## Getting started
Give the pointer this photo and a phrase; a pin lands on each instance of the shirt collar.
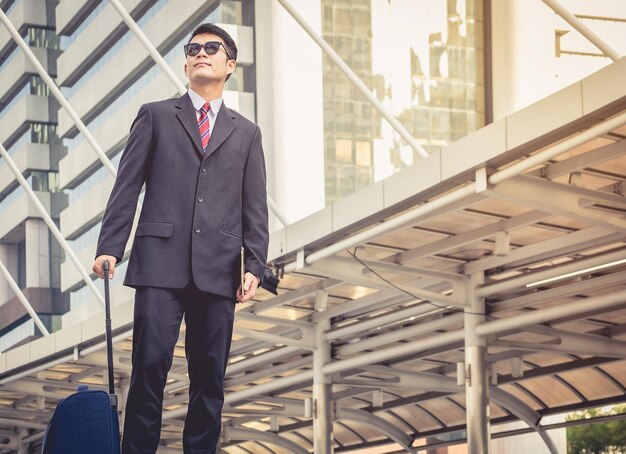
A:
(198, 101)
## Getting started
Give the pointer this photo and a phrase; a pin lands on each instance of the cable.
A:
(440, 306)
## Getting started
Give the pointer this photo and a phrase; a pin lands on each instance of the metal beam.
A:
(458, 280)
(16, 376)
(523, 412)
(257, 307)
(306, 377)
(582, 308)
(581, 161)
(273, 407)
(564, 200)
(583, 29)
(20, 296)
(268, 372)
(437, 382)
(557, 271)
(356, 81)
(252, 317)
(247, 345)
(259, 360)
(322, 385)
(462, 239)
(240, 434)
(365, 304)
(461, 197)
(552, 151)
(305, 341)
(578, 287)
(391, 317)
(352, 271)
(570, 342)
(476, 373)
(395, 351)
(23, 424)
(253, 391)
(548, 249)
(408, 332)
(384, 426)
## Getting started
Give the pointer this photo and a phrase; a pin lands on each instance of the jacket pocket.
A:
(236, 235)
(154, 228)
(230, 152)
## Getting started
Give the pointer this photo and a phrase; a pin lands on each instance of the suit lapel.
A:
(187, 116)
(224, 126)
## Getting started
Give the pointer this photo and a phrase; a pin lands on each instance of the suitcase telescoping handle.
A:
(107, 321)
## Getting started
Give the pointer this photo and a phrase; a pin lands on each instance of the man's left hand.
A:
(250, 284)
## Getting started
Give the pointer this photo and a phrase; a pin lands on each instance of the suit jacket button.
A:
(200, 199)
(203, 170)
(197, 230)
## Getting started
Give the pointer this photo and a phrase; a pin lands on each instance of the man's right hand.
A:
(97, 265)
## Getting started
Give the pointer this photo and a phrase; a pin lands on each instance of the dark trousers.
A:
(209, 322)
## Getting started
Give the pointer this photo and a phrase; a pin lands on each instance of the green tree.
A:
(602, 438)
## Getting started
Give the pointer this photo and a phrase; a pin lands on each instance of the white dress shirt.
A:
(198, 101)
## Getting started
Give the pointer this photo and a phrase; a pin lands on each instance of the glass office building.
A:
(28, 118)
(424, 61)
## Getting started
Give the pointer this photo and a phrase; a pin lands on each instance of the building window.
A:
(43, 133)
(44, 181)
(43, 37)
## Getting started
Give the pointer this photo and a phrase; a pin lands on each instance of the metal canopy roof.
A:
(526, 214)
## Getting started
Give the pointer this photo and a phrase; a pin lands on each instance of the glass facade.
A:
(425, 64)
(349, 123)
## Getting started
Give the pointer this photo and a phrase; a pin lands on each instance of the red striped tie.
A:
(203, 124)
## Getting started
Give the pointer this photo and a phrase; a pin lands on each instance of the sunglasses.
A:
(210, 47)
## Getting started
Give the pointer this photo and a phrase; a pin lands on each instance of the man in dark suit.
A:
(205, 198)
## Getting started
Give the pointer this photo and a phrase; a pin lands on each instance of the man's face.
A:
(204, 68)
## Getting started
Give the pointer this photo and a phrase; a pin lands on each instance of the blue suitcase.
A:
(86, 422)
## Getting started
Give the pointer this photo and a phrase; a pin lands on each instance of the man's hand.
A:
(97, 265)
(250, 284)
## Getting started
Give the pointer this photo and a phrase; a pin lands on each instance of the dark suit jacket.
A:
(199, 208)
